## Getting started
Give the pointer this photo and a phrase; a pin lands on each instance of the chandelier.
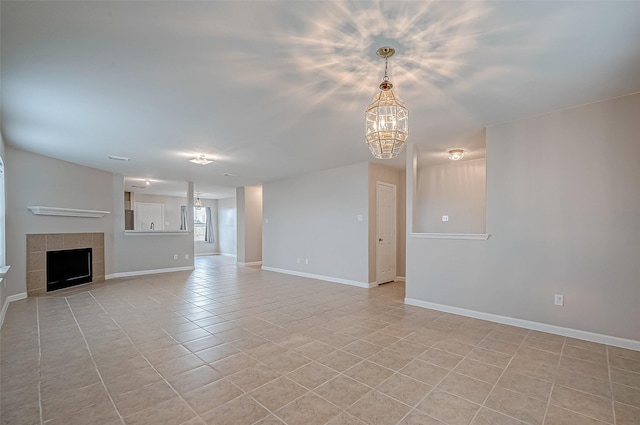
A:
(387, 117)
(198, 202)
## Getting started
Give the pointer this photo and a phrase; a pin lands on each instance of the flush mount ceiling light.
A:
(201, 160)
(387, 117)
(456, 154)
(198, 202)
(147, 182)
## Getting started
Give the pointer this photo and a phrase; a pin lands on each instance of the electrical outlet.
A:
(559, 300)
(306, 261)
(186, 256)
(298, 260)
(445, 218)
(175, 256)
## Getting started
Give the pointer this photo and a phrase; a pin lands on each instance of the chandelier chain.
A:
(386, 64)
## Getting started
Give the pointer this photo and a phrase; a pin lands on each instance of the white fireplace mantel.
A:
(67, 212)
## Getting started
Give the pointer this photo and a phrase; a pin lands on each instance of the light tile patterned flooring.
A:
(237, 345)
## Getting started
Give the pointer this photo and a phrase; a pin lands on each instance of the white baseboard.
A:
(144, 272)
(321, 277)
(226, 254)
(399, 279)
(527, 324)
(9, 299)
(254, 263)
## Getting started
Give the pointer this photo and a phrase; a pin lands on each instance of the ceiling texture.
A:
(273, 89)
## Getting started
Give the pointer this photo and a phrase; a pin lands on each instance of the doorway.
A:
(385, 232)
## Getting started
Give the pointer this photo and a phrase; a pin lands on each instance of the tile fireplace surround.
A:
(39, 244)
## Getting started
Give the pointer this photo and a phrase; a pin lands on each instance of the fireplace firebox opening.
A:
(69, 267)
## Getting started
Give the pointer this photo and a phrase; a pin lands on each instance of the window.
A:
(199, 224)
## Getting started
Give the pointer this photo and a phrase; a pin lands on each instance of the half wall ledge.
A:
(467, 236)
(67, 212)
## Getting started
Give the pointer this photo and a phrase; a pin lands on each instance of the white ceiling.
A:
(271, 89)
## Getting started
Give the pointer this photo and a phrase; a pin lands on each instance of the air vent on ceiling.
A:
(138, 187)
(229, 175)
(118, 158)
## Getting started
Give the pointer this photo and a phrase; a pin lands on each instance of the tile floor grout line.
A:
(290, 316)
(553, 383)
(39, 362)
(613, 400)
(340, 373)
(153, 367)
(93, 360)
(498, 380)
(434, 387)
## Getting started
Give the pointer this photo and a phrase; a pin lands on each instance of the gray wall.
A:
(135, 253)
(249, 203)
(227, 225)
(380, 173)
(315, 216)
(456, 189)
(563, 208)
(38, 180)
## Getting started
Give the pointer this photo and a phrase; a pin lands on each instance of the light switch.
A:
(360, 217)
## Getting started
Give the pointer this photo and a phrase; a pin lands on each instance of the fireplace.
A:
(68, 267)
(38, 245)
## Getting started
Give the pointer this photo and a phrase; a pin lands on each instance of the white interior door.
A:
(149, 216)
(386, 232)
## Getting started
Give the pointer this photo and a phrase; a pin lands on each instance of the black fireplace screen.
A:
(68, 268)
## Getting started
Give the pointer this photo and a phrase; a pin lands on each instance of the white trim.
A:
(253, 263)
(400, 279)
(321, 277)
(395, 226)
(5, 307)
(67, 212)
(226, 254)
(4, 270)
(206, 254)
(468, 236)
(144, 272)
(527, 324)
(156, 232)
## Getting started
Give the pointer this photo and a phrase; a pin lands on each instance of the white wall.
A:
(249, 203)
(38, 180)
(315, 216)
(206, 248)
(563, 208)
(456, 189)
(227, 226)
